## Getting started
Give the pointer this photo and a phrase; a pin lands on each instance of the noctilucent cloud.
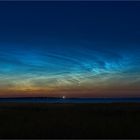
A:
(70, 49)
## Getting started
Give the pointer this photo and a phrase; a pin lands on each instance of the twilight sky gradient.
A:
(72, 49)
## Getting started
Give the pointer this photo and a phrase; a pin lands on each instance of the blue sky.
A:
(84, 49)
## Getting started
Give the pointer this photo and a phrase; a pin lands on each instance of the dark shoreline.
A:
(60, 120)
(72, 106)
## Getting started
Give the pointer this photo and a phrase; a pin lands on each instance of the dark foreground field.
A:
(42, 120)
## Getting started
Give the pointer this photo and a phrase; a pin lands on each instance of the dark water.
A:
(71, 100)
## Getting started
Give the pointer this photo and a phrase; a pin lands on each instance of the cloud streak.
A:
(71, 68)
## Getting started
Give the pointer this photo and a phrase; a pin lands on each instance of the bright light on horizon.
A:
(64, 97)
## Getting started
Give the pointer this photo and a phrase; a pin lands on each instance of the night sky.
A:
(70, 49)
